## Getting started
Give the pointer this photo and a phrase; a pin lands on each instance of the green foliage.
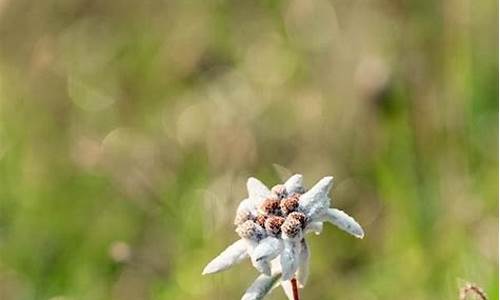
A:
(128, 129)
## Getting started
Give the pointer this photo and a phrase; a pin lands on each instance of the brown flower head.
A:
(261, 220)
(250, 230)
(273, 225)
(289, 204)
(242, 216)
(270, 206)
(294, 224)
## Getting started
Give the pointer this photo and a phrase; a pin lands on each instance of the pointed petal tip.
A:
(328, 179)
(295, 179)
(358, 231)
(257, 190)
(212, 268)
(250, 179)
(316, 200)
(232, 255)
(295, 184)
(206, 271)
(325, 184)
(252, 182)
(345, 222)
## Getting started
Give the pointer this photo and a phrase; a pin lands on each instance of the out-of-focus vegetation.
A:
(128, 129)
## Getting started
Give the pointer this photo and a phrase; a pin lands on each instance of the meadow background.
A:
(128, 129)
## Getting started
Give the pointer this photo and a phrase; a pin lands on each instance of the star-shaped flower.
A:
(272, 225)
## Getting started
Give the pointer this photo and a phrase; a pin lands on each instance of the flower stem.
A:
(472, 289)
(295, 289)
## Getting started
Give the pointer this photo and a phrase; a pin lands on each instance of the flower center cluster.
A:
(277, 214)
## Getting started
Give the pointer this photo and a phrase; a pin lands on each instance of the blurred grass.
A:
(128, 129)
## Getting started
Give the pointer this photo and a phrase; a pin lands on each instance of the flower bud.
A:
(270, 206)
(294, 224)
(289, 204)
(261, 220)
(242, 216)
(250, 230)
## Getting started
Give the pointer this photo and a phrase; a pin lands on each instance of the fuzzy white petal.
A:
(257, 191)
(295, 184)
(248, 206)
(263, 266)
(267, 249)
(261, 287)
(316, 200)
(303, 270)
(344, 222)
(289, 259)
(232, 255)
(276, 265)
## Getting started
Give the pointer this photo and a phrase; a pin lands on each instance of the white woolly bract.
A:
(289, 259)
(247, 206)
(263, 266)
(257, 191)
(316, 200)
(344, 222)
(268, 249)
(261, 287)
(232, 255)
(303, 269)
(294, 184)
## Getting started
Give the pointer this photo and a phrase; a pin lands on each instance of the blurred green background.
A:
(128, 129)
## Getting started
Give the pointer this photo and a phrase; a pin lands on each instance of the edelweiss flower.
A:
(272, 225)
